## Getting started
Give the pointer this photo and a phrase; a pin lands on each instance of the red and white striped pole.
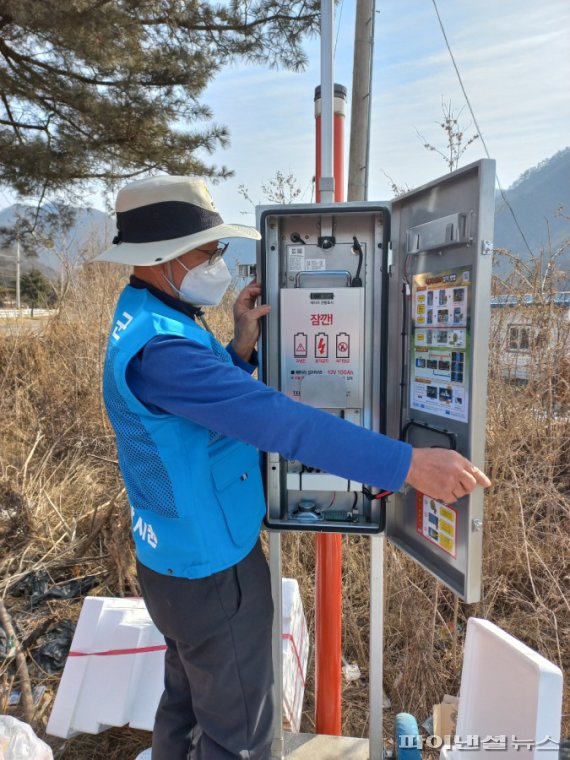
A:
(339, 113)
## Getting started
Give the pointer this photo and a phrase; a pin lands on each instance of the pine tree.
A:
(110, 89)
(35, 288)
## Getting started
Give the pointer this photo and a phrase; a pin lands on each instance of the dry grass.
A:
(63, 509)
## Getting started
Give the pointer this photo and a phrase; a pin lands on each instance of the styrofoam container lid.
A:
(508, 689)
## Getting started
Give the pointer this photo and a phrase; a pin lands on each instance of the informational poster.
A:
(437, 522)
(440, 343)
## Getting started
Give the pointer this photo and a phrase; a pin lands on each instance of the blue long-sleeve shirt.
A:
(181, 377)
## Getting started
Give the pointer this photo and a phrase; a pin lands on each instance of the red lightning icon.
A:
(321, 346)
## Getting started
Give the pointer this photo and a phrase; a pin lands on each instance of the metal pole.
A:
(358, 173)
(371, 79)
(359, 154)
(326, 182)
(277, 746)
(18, 269)
(376, 676)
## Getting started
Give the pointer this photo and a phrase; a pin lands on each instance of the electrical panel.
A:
(321, 269)
(380, 314)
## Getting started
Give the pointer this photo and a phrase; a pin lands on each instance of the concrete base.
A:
(313, 747)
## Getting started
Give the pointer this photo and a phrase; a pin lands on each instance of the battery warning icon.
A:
(321, 346)
(342, 345)
(300, 345)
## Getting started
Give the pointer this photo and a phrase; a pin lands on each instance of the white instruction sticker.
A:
(315, 265)
(296, 258)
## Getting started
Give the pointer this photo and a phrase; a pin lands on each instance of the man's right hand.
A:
(444, 474)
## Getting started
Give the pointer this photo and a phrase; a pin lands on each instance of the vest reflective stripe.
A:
(196, 505)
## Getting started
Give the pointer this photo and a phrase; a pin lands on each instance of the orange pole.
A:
(338, 142)
(338, 156)
(328, 633)
(328, 562)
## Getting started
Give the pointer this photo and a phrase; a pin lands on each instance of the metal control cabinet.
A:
(404, 352)
(324, 272)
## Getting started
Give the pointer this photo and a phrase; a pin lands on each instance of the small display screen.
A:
(322, 296)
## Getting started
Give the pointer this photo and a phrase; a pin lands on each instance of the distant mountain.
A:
(535, 198)
(90, 232)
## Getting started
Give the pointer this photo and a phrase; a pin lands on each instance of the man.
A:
(189, 421)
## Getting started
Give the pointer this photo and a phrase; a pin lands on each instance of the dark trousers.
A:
(218, 681)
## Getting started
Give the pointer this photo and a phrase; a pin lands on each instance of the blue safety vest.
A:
(196, 497)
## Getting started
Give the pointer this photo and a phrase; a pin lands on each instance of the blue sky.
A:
(513, 56)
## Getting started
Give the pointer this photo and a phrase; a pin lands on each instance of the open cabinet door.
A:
(437, 360)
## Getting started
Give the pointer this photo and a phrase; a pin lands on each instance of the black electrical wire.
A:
(338, 25)
(404, 336)
(357, 248)
(406, 265)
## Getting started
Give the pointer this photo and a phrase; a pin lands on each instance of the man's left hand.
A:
(246, 320)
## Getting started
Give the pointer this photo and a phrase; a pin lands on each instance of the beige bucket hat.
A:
(160, 218)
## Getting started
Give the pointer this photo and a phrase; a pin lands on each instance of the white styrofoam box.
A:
(114, 673)
(114, 641)
(295, 647)
(507, 689)
(149, 672)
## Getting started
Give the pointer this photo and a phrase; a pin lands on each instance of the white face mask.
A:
(205, 284)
